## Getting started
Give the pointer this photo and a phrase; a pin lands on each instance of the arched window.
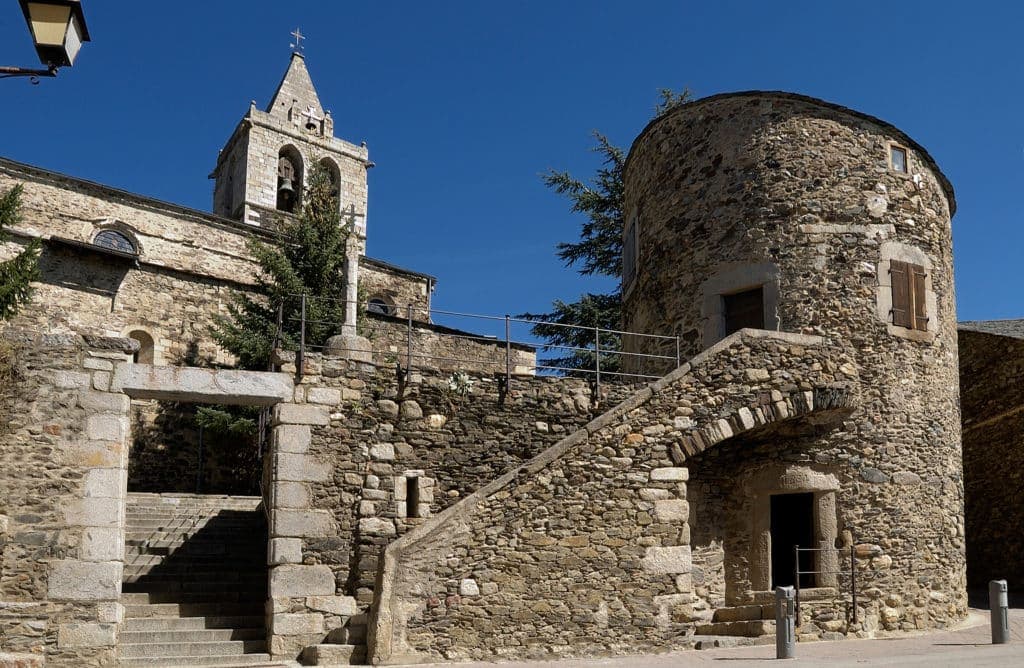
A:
(289, 179)
(144, 355)
(115, 240)
(333, 174)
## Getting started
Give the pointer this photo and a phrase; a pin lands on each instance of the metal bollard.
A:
(999, 603)
(785, 622)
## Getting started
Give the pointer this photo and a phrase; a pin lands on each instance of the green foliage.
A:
(16, 274)
(310, 260)
(221, 421)
(598, 252)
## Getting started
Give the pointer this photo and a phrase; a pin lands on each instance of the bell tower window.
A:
(289, 179)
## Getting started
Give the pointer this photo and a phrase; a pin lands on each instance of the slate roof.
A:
(1013, 328)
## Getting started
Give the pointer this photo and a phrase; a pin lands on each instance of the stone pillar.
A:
(300, 595)
(89, 579)
(351, 285)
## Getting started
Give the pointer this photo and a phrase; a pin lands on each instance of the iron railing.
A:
(508, 333)
(839, 573)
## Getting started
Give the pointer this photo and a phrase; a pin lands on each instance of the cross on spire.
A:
(297, 34)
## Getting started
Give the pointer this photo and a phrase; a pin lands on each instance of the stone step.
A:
(192, 573)
(743, 613)
(192, 610)
(183, 593)
(200, 662)
(160, 581)
(190, 635)
(214, 595)
(808, 594)
(746, 629)
(197, 557)
(712, 642)
(350, 634)
(171, 497)
(172, 539)
(148, 624)
(333, 655)
(207, 522)
(172, 567)
(213, 648)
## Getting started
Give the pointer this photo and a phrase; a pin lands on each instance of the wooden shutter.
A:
(920, 303)
(902, 304)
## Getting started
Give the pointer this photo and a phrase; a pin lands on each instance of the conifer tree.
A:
(308, 259)
(598, 252)
(16, 274)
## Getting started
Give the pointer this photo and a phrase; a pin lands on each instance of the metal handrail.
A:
(597, 350)
(852, 573)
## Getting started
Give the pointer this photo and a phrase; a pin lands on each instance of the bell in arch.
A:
(285, 185)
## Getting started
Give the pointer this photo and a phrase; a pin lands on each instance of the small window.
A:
(144, 355)
(744, 310)
(412, 497)
(114, 241)
(909, 293)
(898, 158)
(630, 248)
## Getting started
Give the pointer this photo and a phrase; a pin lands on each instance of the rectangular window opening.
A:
(898, 157)
(630, 249)
(412, 497)
(744, 310)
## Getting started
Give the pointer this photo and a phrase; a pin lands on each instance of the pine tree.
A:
(598, 252)
(16, 274)
(310, 260)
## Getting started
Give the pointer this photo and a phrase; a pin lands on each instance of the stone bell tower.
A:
(263, 168)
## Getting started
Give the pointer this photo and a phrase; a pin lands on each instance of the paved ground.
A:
(968, 646)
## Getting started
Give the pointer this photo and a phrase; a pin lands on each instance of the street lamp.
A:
(58, 30)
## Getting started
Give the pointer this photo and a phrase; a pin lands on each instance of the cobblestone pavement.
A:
(967, 646)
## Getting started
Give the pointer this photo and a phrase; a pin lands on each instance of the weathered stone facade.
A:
(586, 548)
(456, 512)
(64, 450)
(992, 398)
(796, 199)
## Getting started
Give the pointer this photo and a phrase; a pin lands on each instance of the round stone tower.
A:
(777, 211)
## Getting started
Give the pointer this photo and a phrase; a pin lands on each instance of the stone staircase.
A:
(757, 620)
(195, 581)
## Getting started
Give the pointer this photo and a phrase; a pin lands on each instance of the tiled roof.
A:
(1014, 328)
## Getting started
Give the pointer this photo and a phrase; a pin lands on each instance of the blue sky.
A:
(464, 104)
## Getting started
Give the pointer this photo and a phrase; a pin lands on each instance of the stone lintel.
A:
(221, 386)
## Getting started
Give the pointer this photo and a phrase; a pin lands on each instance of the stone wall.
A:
(452, 437)
(585, 549)
(992, 398)
(396, 287)
(61, 499)
(443, 348)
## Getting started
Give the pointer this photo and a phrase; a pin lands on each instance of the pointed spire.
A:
(296, 90)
